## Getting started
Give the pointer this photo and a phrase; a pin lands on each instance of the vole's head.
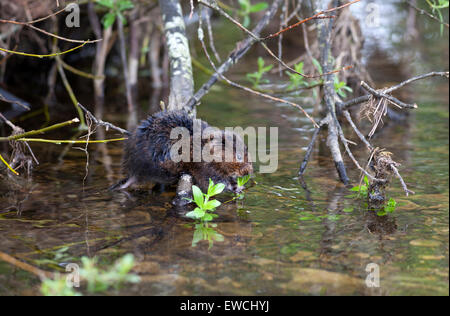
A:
(234, 161)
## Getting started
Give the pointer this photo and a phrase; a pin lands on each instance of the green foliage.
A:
(116, 9)
(436, 6)
(318, 66)
(98, 280)
(340, 87)
(206, 231)
(296, 80)
(58, 256)
(304, 216)
(363, 189)
(363, 193)
(243, 180)
(204, 205)
(348, 210)
(389, 208)
(247, 8)
(57, 287)
(256, 77)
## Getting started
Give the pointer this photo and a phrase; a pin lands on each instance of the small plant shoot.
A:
(256, 77)
(97, 280)
(205, 206)
(247, 8)
(296, 81)
(116, 9)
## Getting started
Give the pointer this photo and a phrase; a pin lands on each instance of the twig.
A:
(2, 98)
(40, 131)
(357, 131)
(315, 16)
(365, 98)
(382, 94)
(201, 38)
(80, 72)
(59, 142)
(18, 130)
(103, 123)
(45, 55)
(192, 10)
(350, 154)
(271, 53)
(70, 92)
(428, 75)
(211, 35)
(405, 188)
(25, 266)
(8, 166)
(48, 33)
(309, 151)
(239, 51)
(421, 11)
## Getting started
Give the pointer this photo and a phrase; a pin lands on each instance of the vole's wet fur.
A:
(147, 154)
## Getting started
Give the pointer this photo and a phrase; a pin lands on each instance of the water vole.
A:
(147, 155)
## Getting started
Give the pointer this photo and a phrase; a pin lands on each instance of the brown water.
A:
(279, 240)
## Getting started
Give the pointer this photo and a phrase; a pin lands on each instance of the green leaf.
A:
(196, 214)
(243, 180)
(125, 5)
(106, 3)
(217, 189)
(245, 5)
(348, 210)
(317, 65)
(267, 68)
(366, 181)
(261, 6)
(210, 187)
(299, 67)
(260, 63)
(391, 206)
(108, 19)
(211, 205)
(207, 217)
(246, 22)
(198, 195)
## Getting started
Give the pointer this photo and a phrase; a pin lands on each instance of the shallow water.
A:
(281, 239)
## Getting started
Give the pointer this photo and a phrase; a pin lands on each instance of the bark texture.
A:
(181, 78)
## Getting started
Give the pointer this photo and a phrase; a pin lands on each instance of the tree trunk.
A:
(181, 78)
